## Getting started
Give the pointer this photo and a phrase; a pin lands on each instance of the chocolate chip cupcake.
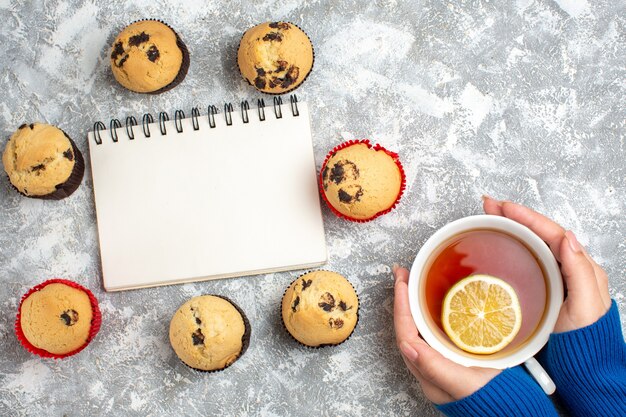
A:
(209, 333)
(57, 318)
(43, 162)
(320, 309)
(275, 57)
(361, 182)
(149, 57)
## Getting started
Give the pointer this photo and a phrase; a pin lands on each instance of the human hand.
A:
(586, 282)
(442, 380)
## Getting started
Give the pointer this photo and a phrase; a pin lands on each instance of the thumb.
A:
(585, 304)
(578, 272)
(457, 380)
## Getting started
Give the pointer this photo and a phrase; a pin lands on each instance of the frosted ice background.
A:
(521, 100)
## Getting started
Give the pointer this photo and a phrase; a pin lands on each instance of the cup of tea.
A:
(498, 247)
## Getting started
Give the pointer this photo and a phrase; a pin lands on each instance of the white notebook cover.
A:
(209, 203)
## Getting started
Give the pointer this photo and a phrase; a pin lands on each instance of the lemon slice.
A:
(481, 314)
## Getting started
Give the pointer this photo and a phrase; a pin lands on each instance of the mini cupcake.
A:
(43, 162)
(209, 333)
(149, 57)
(57, 318)
(320, 308)
(360, 182)
(275, 57)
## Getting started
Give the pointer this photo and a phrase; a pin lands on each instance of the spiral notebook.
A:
(225, 194)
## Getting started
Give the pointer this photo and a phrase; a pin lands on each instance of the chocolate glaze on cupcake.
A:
(320, 308)
(149, 57)
(360, 182)
(209, 333)
(275, 57)
(43, 162)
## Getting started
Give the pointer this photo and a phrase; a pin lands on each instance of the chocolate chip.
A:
(346, 197)
(290, 77)
(38, 167)
(194, 312)
(325, 173)
(259, 82)
(69, 155)
(153, 53)
(279, 25)
(32, 126)
(306, 283)
(343, 170)
(327, 302)
(124, 58)
(197, 337)
(336, 173)
(22, 126)
(294, 306)
(282, 65)
(272, 83)
(118, 50)
(260, 72)
(138, 39)
(70, 317)
(273, 36)
(335, 323)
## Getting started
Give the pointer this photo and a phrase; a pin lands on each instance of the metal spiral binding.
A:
(278, 111)
(163, 117)
(244, 111)
(114, 125)
(294, 105)
(97, 128)
(130, 122)
(179, 116)
(147, 119)
(228, 113)
(261, 109)
(195, 114)
(212, 111)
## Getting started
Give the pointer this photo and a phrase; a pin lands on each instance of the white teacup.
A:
(527, 349)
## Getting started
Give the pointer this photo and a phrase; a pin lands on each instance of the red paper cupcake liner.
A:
(376, 147)
(96, 320)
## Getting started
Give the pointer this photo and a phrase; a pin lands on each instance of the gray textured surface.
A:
(521, 100)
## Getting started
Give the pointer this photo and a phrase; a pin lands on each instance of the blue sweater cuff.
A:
(511, 393)
(588, 366)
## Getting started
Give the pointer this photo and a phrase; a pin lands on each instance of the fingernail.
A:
(573, 242)
(486, 197)
(408, 351)
(394, 269)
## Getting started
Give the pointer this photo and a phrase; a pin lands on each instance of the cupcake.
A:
(43, 162)
(360, 182)
(209, 333)
(149, 57)
(57, 318)
(275, 57)
(320, 309)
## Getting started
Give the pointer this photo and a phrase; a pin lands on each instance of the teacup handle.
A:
(540, 375)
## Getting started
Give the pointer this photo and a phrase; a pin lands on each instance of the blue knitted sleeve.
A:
(588, 366)
(512, 393)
